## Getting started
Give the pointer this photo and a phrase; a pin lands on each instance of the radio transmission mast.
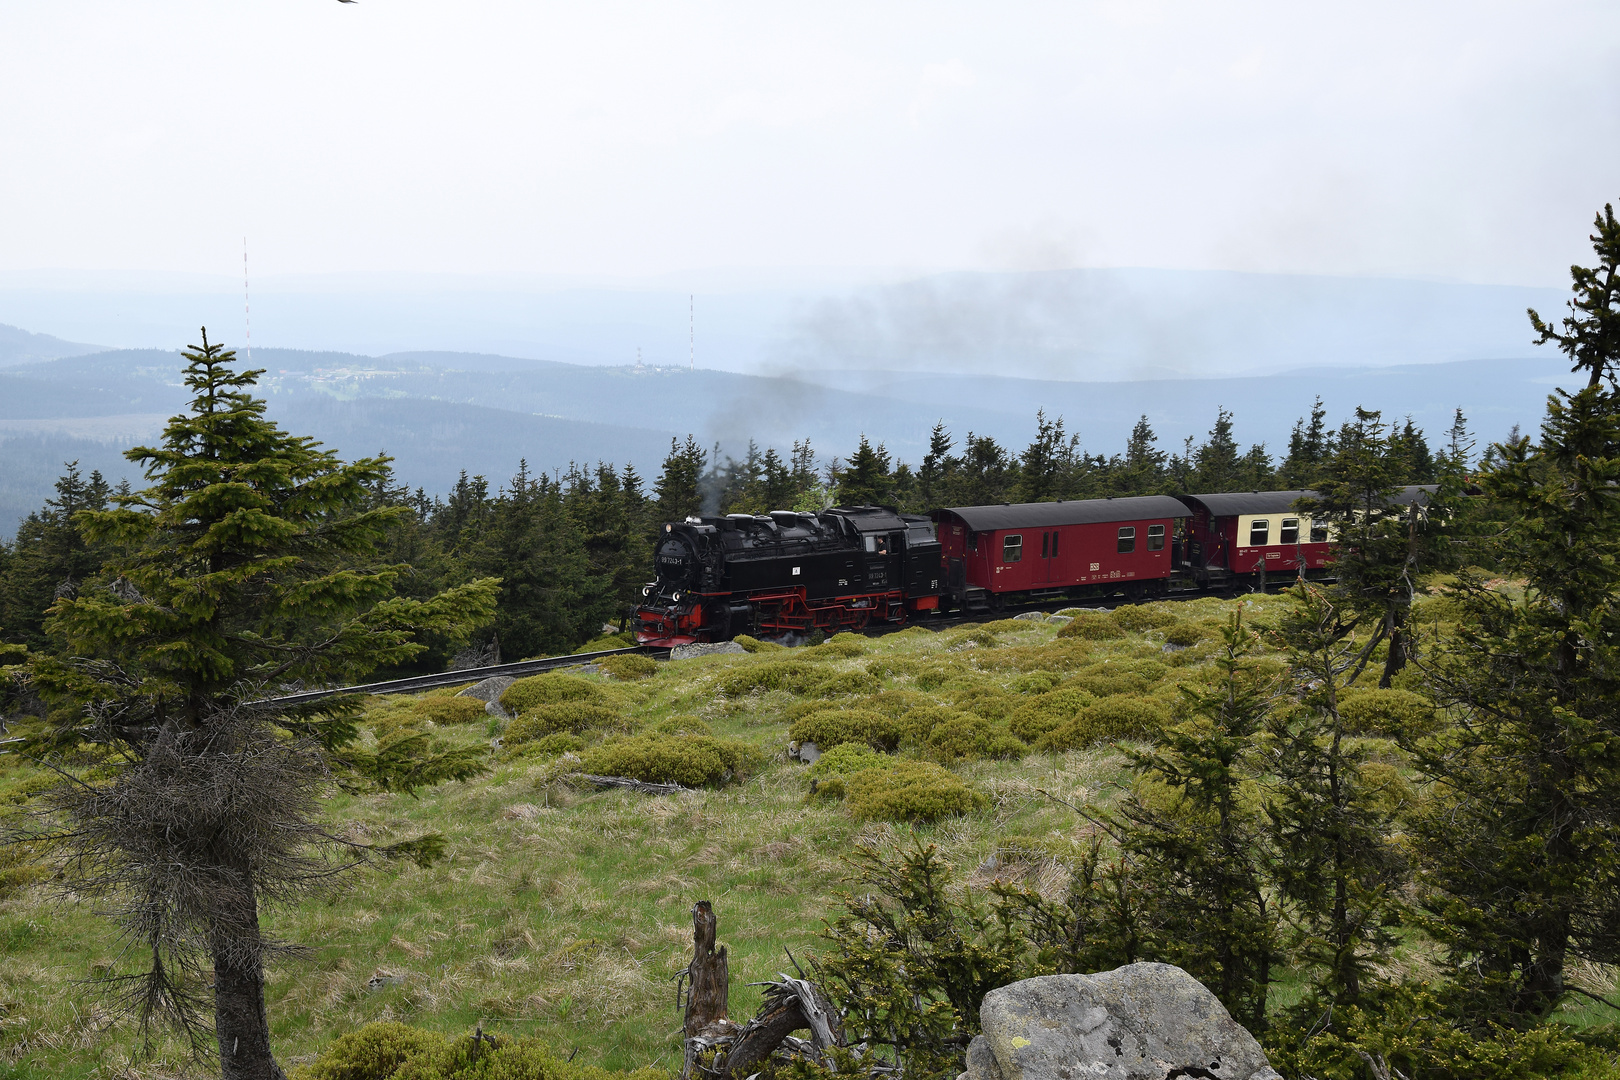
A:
(247, 321)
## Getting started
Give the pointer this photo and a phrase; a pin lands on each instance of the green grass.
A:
(562, 911)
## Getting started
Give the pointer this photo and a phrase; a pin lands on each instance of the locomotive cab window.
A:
(1259, 532)
(1155, 537)
(1127, 539)
(877, 545)
(1012, 548)
(1290, 531)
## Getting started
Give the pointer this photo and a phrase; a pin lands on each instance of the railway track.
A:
(418, 683)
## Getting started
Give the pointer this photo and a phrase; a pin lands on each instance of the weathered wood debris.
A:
(717, 1047)
(629, 783)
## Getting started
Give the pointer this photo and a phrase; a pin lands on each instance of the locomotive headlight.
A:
(646, 590)
(676, 595)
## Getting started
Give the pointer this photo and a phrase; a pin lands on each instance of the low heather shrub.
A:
(1109, 718)
(832, 727)
(1090, 626)
(629, 666)
(575, 716)
(681, 725)
(450, 710)
(689, 760)
(1044, 712)
(844, 759)
(551, 689)
(1138, 617)
(909, 791)
(966, 736)
(1387, 712)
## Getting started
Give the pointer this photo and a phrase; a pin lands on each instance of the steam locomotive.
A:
(857, 566)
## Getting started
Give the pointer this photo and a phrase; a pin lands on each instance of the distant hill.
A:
(1090, 324)
(440, 413)
(18, 346)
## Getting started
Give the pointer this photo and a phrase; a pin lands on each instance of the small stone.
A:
(687, 652)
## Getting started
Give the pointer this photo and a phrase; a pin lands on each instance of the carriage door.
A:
(1047, 571)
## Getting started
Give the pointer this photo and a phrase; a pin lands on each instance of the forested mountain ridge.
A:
(439, 414)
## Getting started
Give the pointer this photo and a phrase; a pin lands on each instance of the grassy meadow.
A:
(563, 911)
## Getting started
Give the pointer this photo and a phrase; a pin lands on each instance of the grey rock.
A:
(489, 692)
(1031, 616)
(806, 752)
(490, 689)
(1139, 1022)
(1059, 620)
(687, 652)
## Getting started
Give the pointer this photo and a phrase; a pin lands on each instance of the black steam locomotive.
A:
(786, 572)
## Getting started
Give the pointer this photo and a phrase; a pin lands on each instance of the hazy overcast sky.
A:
(1466, 140)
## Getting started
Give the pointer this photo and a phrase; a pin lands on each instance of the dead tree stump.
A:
(708, 980)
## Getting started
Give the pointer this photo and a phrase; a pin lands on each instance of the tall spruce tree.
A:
(1386, 540)
(1520, 841)
(866, 480)
(245, 565)
(678, 488)
(1591, 334)
(1195, 841)
(1329, 816)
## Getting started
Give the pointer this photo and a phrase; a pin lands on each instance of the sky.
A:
(660, 142)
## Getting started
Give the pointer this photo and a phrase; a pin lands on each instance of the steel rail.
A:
(418, 683)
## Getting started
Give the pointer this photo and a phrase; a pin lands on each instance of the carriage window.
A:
(1012, 548)
(1127, 539)
(1259, 531)
(973, 541)
(1318, 533)
(1055, 536)
(1155, 537)
(1290, 531)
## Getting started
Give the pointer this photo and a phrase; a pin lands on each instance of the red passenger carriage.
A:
(1021, 552)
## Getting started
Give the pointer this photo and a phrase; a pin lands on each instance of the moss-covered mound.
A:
(909, 791)
(1109, 718)
(629, 666)
(688, 760)
(551, 689)
(574, 716)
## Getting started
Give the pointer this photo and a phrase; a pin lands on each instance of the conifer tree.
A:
(245, 565)
(1045, 460)
(866, 480)
(1591, 334)
(1196, 843)
(1329, 817)
(49, 556)
(678, 486)
(1386, 541)
(935, 475)
(1308, 447)
(1521, 838)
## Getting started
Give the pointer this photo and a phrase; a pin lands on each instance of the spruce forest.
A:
(1379, 817)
